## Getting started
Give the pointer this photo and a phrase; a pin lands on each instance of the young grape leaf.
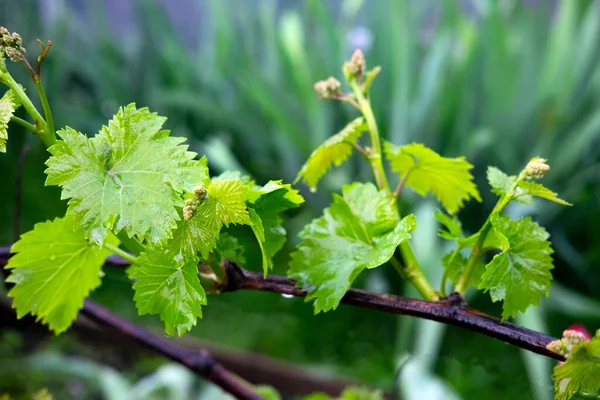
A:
(348, 238)
(520, 274)
(268, 202)
(229, 248)
(426, 171)
(334, 150)
(499, 181)
(350, 393)
(455, 267)
(537, 190)
(54, 269)
(225, 204)
(129, 176)
(452, 224)
(581, 372)
(259, 232)
(493, 240)
(169, 288)
(8, 105)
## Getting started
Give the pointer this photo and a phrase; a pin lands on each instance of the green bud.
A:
(536, 168)
(564, 346)
(11, 44)
(355, 68)
(328, 89)
(200, 193)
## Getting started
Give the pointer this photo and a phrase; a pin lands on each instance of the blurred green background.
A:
(496, 81)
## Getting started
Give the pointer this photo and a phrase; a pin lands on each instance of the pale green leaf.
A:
(350, 393)
(8, 105)
(226, 204)
(268, 202)
(229, 248)
(168, 288)
(334, 150)
(493, 240)
(358, 393)
(129, 176)
(259, 231)
(520, 274)
(499, 181)
(455, 267)
(452, 224)
(581, 372)
(268, 392)
(537, 190)
(347, 239)
(449, 179)
(54, 270)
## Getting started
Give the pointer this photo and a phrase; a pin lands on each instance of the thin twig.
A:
(25, 124)
(452, 310)
(200, 362)
(400, 185)
(288, 378)
(361, 150)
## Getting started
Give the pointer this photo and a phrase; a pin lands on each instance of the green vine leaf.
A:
(581, 372)
(334, 150)
(8, 105)
(129, 176)
(54, 270)
(225, 205)
(537, 190)
(520, 274)
(452, 225)
(426, 171)
(350, 237)
(229, 248)
(266, 204)
(350, 393)
(499, 181)
(168, 288)
(457, 264)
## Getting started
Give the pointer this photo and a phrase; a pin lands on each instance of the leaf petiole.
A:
(25, 124)
(477, 250)
(121, 253)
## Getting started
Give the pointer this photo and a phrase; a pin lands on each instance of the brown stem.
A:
(452, 310)
(200, 362)
(400, 185)
(42, 56)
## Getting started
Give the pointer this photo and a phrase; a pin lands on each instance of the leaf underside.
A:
(334, 151)
(352, 235)
(449, 179)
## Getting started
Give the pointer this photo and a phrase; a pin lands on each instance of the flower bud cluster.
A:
(191, 205)
(328, 89)
(564, 346)
(11, 44)
(536, 168)
(355, 68)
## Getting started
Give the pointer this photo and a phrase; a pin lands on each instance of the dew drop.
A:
(52, 257)
(287, 296)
